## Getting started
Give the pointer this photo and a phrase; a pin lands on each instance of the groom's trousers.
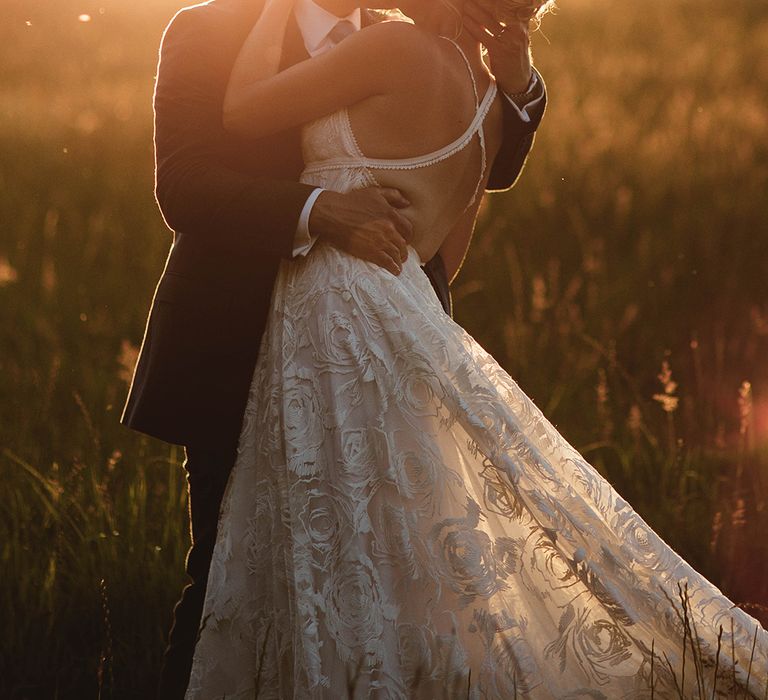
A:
(208, 466)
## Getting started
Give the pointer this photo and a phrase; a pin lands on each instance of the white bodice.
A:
(332, 156)
(448, 180)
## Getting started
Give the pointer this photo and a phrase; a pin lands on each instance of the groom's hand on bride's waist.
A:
(366, 223)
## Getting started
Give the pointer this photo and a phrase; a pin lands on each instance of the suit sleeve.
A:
(196, 192)
(517, 142)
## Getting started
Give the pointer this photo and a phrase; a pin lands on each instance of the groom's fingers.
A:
(403, 225)
(366, 223)
(385, 260)
(402, 248)
(393, 241)
(392, 256)
(394, 197)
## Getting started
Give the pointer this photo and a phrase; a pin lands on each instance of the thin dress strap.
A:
(476, 127)
(417, 161)
(469, 69)
(480, 129)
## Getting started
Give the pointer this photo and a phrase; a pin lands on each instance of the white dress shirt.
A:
(315, 25)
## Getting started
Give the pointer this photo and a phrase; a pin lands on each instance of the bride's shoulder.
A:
(398, 40)
(399, 29)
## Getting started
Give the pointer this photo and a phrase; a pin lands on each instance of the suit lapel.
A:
(294, 50)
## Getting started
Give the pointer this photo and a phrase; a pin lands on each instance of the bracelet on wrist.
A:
(523, 93)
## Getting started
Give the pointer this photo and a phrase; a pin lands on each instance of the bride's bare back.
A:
(433, 139)
(403, 108)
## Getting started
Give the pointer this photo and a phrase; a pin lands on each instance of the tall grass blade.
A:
(717, 662)
(262, 657)
(685, 633)
(674, 676)
(751, 658)
(733, 659)
(105, 658)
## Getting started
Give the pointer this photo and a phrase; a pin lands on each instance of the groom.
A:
(237, 209)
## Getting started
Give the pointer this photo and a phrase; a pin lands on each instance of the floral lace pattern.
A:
(402, 514)
(403, 522)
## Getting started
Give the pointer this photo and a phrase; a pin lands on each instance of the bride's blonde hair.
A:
(520, 10)
(505, 11)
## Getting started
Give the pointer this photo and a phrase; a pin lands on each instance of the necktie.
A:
(341, 31)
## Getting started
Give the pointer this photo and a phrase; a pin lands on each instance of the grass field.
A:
(624, 283)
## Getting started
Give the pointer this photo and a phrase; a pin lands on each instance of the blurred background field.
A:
(624, 283)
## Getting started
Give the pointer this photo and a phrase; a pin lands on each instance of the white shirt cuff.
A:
(303, 240)
(529, 99)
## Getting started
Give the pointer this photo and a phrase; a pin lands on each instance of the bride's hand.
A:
(508, 47)
(365, 223)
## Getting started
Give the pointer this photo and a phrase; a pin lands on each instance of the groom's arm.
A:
(200, 196)
(197, 193)
(522, 115)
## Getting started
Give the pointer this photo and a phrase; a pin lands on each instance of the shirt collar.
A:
(316, 22)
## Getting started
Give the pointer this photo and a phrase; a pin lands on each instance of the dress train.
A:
(403, 522)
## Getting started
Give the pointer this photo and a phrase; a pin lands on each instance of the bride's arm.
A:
(376, 60)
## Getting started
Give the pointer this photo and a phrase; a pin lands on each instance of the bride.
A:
(402, 521)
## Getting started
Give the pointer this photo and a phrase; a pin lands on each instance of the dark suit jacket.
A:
(234, 206)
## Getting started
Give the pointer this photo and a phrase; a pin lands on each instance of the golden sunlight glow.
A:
(622, 281)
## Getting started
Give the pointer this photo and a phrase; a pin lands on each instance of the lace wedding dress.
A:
(403, 522)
